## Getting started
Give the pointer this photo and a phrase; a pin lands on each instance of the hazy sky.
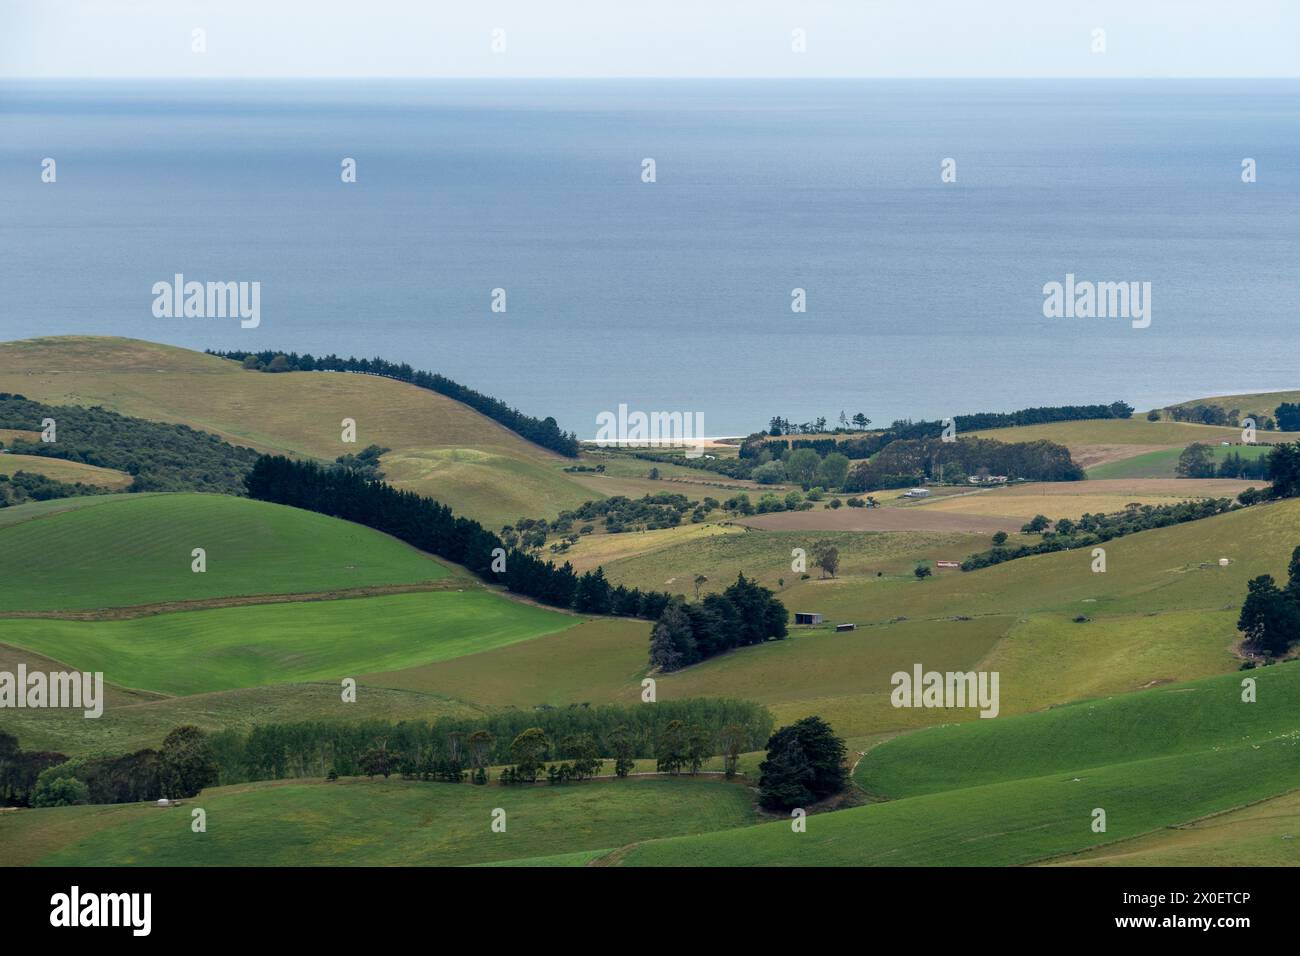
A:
(604, 38)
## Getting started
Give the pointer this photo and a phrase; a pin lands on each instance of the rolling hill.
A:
(136, 549)
(439, 447)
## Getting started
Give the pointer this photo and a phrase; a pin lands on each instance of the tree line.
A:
(452, 748)
(540, 431)
(1091, 529)
(432, 527)
(159, 457)
(906, 428)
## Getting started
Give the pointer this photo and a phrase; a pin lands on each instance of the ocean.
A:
(924, 298)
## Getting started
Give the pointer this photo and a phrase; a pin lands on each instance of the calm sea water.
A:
(924, 298)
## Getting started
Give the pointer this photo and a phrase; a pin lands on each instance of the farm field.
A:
(69, 472)
(439, 447)
(137, 550)
(195, 652)
(357, 822)
(1151, 760)
(1164, 463)
(1263, 834)
(1073, 499)
(133, 720)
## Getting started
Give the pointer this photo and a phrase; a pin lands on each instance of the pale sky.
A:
(636, 38)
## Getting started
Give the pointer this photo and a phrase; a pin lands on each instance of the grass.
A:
(357, 822)
(1123, 431)
(133, 720)
(1203, 717)
(1164, 463)
(199, 651)
(136, 550)
(1263, 834)
(842, 677)
(1020, 789)
(1077, 498)
(440, 447)
(69, 472)
(999, 824)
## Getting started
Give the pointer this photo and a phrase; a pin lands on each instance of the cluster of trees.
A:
(801, 466)
(159, 457)
(1203, 414)
(430, 526)
(857, 447)
(804, 764)
(620, 513)
(1288, 416)
(1270, 616)
(1092, 529)
(364, 463)
(24, 486)
(453, 748)
(745, 613)
(181, 768)
(911, 461)
(540, 431)
(1197, 461)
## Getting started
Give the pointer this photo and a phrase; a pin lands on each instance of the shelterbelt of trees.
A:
(545, 432)
(279, 751)
(432, 527)
(161, 457)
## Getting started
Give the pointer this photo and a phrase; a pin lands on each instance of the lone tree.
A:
(999, 539)
(186, 762)
(827, 557)
(700, 581)
(672, 643)
(805, 763)
(621, 746)
(922, 572)
(528, 751)
(671, 748)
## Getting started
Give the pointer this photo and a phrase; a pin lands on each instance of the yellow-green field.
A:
(440, 447)
(69, 472)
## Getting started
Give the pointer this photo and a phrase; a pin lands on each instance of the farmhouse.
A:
(916, 493)
(807, 617)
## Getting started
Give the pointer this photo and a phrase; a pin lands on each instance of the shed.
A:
(845, 627)
(807, 617)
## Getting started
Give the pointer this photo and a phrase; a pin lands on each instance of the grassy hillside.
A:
(1164, 463)
(439, 447)
(1201, 716)
(136, 719)
(373, 823)
(1263, 834)
(1011, 791)
(137, 550)
(198, 651)
(69, 472)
